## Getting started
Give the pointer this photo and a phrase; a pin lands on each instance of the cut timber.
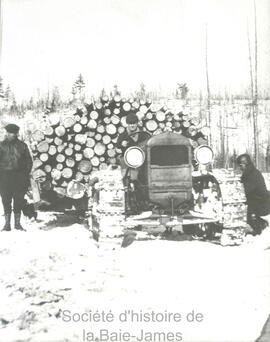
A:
(92, 124)
(60, 131)
(77, 147)
(100, 129)
(68, 121)
(143, 109)
(80, 138)
(59, 166)
(58, 141)
(56, 174)
(107, 112)
(37, 135)
(49, 139)
(99, 149)
(117, 98)
(85, 166)
(161, 125)
(52, 150)
(160, 116)
(54, 119)
(116, 111)
(47, 168)
(67, 173)
(135, 105)
(120, 129)
(106, 139)
(37, 163)
(94, 115)
(111, 153)
(78, 157)
(176, 117)
(43, 146)
(98, 105)
(98, 137)
(107, 120)
(151, 125)
(44, 157)
(111, 129)
(60, 158)
(70, 162)
(90, 142)
(79, 176)
(95, 161)
(77, 118)
(68, 151)
(103, 166)
(77, 128)
(105, 99)
(149, 116)
(115, 120)
(61, 148)
(49, 131)
(112, 161)
(88, 153)
(126, 106)
(84, 120)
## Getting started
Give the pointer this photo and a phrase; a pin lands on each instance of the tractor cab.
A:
(169, 171)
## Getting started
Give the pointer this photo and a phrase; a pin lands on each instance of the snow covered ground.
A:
(49, 279)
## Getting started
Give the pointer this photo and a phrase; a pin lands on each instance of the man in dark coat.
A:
(258, 198)
(132, 136)
(15, 167)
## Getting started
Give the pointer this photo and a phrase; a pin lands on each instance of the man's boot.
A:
(7, 223)
(17, 217)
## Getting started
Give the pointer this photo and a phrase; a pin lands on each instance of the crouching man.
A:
(15, 167)
(258, 198)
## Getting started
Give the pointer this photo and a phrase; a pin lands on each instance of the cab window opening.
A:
(169, 155)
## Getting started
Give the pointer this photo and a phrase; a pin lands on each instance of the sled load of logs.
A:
(71, 146)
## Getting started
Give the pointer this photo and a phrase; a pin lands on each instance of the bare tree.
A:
(256, 143)
(182, 91)
(250, 66)
(207, 84)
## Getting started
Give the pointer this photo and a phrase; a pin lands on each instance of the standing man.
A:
(15, 167)
(258, 198)
(133, 136)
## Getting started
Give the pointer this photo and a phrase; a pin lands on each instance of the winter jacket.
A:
(128, 139)
(15, 156)
(15, 166)
(258, 198)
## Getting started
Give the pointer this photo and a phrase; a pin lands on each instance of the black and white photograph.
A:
(134, 170)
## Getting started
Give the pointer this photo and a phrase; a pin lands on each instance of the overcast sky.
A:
(159, 42)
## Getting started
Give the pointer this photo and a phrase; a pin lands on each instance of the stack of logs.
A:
(70, 147)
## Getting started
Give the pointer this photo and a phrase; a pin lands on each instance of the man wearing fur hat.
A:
(15, 167)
